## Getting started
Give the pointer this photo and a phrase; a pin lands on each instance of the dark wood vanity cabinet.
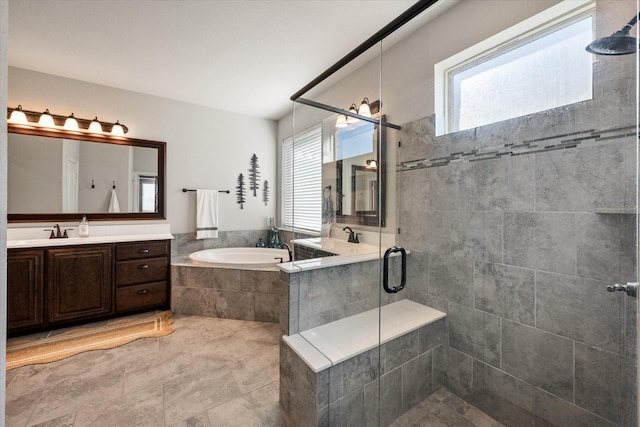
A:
(25, 294)
(79, 283)
(55, 287)
(142, 275)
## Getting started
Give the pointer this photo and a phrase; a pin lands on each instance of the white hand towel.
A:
(207, 214)
(114, 206)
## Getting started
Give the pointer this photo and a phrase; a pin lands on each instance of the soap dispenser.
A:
(83, 228)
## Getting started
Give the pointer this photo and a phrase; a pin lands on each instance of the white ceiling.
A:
(247, 57)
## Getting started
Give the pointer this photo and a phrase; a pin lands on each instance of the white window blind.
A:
(302, 180)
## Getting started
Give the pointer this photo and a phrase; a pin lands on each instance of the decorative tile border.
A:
(539, 145)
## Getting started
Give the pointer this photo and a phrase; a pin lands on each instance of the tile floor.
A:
(208, 373)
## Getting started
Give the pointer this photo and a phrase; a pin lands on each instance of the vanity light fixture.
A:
(46, 120)
(366, 109)
(18, 116)
(71, 123)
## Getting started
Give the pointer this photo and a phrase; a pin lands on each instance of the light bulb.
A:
(46, 120)
(364, 108)
(71, 123)
(353, 109)
(341, 122)
(95, 126)
(117, 129)
(18, 116)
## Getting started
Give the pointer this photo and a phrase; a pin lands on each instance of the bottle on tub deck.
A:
(274, 236)
(261, 243)
(83, 228)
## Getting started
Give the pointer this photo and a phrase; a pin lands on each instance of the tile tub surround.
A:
(519, 255)
(186, 243)
(323, 385)
(226, 293)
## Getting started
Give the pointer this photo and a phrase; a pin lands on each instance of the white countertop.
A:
(34, 237)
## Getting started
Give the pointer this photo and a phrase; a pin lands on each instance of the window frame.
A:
(558, 16)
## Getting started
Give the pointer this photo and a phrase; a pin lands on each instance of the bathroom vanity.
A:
(59, 282)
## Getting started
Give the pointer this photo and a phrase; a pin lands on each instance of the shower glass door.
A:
(340, 180)
(502, 158)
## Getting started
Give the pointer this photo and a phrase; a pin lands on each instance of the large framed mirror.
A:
(55, 175)
(360, 174)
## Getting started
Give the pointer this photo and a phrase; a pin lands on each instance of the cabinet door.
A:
(25, 290)
(79, 282)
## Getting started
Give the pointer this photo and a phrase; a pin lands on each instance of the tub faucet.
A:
(288, 248)
(353, 237)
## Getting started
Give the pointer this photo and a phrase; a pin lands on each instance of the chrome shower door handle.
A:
(385, 273)
(630, 288)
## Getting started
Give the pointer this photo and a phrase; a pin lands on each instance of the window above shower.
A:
(536, 65)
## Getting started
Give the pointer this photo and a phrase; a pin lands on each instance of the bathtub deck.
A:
(345, 338)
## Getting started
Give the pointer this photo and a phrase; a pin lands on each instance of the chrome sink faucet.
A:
(353, 237)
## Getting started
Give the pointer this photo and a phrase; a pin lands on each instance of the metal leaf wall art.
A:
(254, 176)
(240, 191)
(265, 192)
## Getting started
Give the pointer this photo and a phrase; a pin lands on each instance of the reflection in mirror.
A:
(360, 182)
(58, 176)
(364, 190)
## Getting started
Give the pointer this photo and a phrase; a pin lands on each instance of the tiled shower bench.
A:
(332, 374)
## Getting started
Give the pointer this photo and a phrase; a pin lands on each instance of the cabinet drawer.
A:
(141, 296)
(141, 271)
(137, 250)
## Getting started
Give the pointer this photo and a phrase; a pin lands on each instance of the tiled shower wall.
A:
(505, 236)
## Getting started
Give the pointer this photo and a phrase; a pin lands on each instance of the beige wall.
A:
(206, 148)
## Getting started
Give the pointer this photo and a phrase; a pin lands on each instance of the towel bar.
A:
(184, 190)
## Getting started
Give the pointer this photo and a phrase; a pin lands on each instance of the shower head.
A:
(618, 43)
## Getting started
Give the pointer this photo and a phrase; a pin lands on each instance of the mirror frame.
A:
(366, 218)
(96, 216)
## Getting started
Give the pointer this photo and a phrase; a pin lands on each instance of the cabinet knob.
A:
(143, 251)
(143, 266)
(143, 291)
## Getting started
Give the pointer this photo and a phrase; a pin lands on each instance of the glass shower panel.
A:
(337, 258)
